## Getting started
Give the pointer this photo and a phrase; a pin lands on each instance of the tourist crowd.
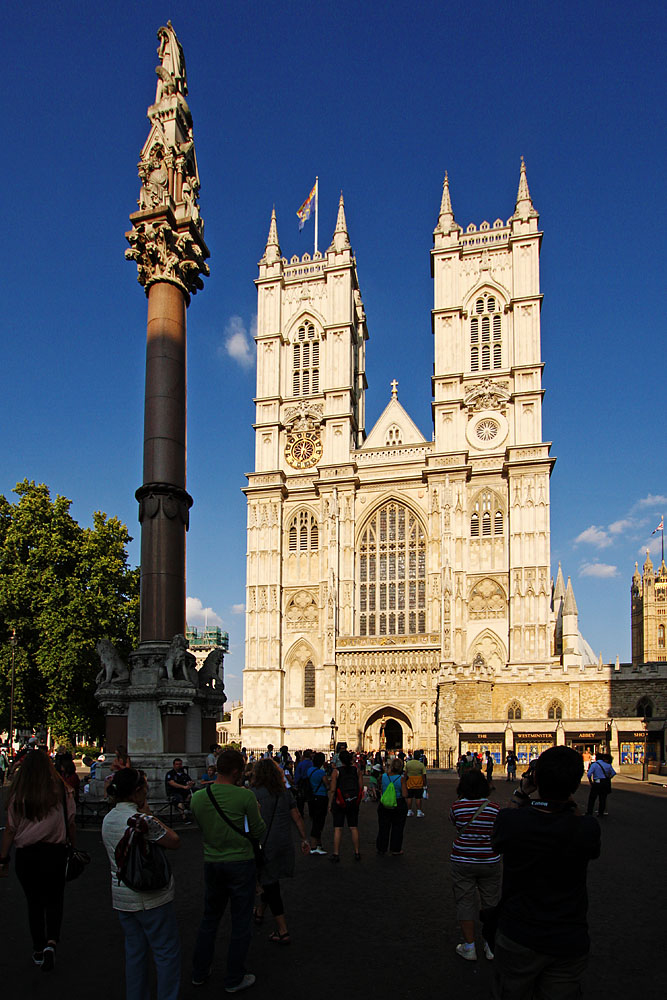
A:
(521, 871)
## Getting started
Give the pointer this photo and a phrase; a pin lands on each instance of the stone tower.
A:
(648, 598)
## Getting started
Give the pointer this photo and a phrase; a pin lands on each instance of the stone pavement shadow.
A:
(385, 926)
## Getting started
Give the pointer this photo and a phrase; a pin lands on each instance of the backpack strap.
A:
(235, 828)
(474, 816)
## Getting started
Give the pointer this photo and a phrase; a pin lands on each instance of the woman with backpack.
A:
(40, 819)
(278, 810)
(148, 918)
(345, 793)
(392, 810)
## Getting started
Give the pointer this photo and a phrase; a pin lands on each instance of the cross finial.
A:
(394, 388)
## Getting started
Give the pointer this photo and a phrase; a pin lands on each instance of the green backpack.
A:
(389, 800)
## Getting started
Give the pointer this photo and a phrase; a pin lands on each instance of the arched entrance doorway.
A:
(388, 728)
(393, 734)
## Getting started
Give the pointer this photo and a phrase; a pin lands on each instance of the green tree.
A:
(62, 587)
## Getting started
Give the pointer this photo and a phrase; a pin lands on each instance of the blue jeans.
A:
(153, 930)
(223, 881)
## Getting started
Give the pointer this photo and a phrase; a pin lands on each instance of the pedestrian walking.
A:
(488, 766)
(600, 774)
(222, 811)
(415, 778)
(318, 802)
(278, 810)
(40, 820)
(148, 918)
(393, 811)
(475, 864)
(510, 764)
(345, 793)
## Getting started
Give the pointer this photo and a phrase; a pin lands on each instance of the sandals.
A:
(279, 938)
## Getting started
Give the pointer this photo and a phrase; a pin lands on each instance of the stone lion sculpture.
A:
(114, 670)
(179, 663)
(211, 674)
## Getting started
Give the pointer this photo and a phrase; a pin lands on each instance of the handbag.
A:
(75, 859)
(141, 864)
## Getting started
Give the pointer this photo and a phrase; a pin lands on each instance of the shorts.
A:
(349, 813)
(475, 886)
(416, 793)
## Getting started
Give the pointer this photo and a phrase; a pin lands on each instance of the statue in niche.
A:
(342, 715)
(179, 663)
(423, 714)
(171, 73)
(353, 713)
(154, 179)
(114, 670)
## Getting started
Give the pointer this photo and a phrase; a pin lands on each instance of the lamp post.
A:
(12, 643)
(332, 742)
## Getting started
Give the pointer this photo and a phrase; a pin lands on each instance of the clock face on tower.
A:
(303, 449)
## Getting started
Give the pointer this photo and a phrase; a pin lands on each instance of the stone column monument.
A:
(160, 704)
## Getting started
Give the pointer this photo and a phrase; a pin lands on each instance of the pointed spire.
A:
(570, 605)
(648, 565)
(559, 589)
(272, 251)
(341, 240)
(446, 217)
(524, 208)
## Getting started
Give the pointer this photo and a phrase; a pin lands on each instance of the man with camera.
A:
(541, 938)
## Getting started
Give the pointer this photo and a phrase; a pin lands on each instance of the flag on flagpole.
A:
(660, 526)
(303, 213)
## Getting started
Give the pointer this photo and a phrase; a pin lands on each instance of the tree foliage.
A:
(62, 587)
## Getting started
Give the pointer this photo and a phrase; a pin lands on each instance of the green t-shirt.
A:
(415, 767)
(221, 843)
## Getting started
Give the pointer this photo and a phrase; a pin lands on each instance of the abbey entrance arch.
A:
(388, 728)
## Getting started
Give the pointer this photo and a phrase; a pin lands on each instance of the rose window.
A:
(487, 430)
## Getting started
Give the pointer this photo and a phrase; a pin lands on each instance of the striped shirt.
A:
(474, 846)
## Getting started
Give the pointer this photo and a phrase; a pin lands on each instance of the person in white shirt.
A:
(148, 919)
(599, 775)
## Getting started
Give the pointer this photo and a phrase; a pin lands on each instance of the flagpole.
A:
(317, 193)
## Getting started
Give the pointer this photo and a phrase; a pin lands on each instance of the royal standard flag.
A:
(303, 214)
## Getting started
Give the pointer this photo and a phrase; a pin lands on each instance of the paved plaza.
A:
(385, 927)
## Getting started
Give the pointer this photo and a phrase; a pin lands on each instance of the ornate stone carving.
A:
(179, 663)
(114, 669)
(168, 707)
(163, 498)
(162, 254)
(211, 673)
(118, 708)
(166, 241)
(487, 600)
(301, 613)
(304, 417)
(487, 395)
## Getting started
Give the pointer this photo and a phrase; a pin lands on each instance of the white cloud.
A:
(654, 545)
(231, 677)
(601, 570)
(618, 527)
(238, 609)
(197, 614)
(652, 500)
(594, 536)
(239, 342)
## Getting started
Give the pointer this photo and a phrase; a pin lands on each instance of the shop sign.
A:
(534, 737)
(597, 737)
(640, 734)
(482, 737)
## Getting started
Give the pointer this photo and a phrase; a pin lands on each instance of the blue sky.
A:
(378, 99)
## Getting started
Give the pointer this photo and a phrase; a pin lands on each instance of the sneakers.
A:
(410, 812)
(467, 951)
(487, 952)
(317, 850)
(335, 859)
(38, 958)
(247, 981)
(419, 813)
(199, 981)
(49, 960)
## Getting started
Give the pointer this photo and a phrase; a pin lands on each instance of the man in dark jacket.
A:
(541, 945)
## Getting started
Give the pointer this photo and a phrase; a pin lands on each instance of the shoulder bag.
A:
(75, 860)
(257, 846)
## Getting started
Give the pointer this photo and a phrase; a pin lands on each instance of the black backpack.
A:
(347, 786)
(304, 788)
(142, 865)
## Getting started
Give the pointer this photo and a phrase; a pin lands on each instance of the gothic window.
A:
(303, 533)
(306, 361)
(661, 636)
(486, 508)
(486, 342)
(645, 708)
(513, 711)
(309, 685)
(394, 436)
(555, 710)
(392, 573)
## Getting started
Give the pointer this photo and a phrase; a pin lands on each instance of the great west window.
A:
(392, 573)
